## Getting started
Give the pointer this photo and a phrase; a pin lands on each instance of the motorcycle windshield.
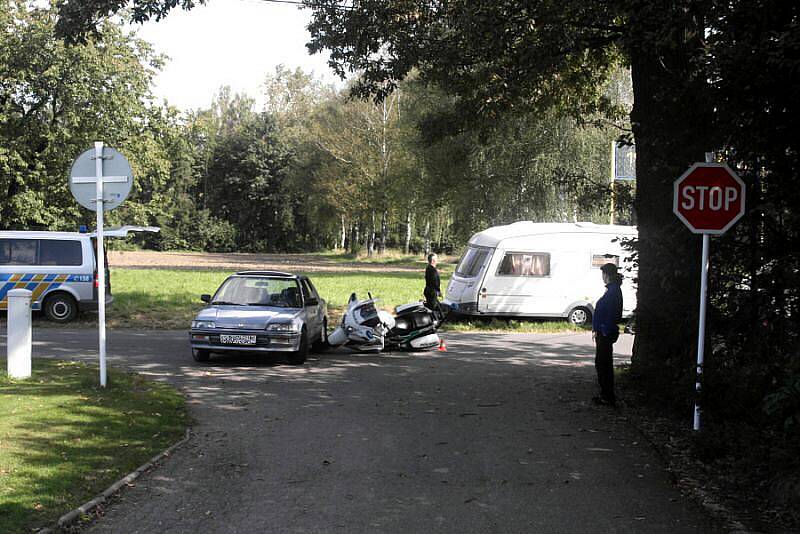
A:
(366, 313)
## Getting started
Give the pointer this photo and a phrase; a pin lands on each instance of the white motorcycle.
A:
(365, 328)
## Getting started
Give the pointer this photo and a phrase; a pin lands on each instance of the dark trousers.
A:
(431, 299)
(604, 364)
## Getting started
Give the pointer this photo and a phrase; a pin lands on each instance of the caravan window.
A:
(471, 262)
(598, 260)
(525, 264)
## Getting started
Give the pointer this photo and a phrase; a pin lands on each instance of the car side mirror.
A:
(205, 298)
(311, 302)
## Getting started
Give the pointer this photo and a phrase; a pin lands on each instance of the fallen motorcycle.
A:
(365, 328)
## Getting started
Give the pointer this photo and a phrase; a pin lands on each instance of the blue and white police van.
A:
(59, 268)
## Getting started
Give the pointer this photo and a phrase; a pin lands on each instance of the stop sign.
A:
(709, 198)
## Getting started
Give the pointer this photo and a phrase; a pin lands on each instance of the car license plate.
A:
(237, 340)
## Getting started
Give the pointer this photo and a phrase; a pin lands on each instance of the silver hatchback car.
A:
(261, 311)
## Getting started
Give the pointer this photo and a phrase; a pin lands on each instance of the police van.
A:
(59, 268)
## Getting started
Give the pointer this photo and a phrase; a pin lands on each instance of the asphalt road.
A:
(496, 435)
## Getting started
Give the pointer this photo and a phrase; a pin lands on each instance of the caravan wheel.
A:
(580, 316)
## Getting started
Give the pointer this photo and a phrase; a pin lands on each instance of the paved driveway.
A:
(496, 435)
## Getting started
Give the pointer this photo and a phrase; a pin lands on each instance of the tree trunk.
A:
(427, 237)
(671, 120)
(384, 232)
(343, 235)
(371, 237)
(407, 246)
(353, 238)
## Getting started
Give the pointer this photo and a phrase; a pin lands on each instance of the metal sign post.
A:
(709, 199)
(100, 193)
(101, 260)
(701, 329)
(623, 169)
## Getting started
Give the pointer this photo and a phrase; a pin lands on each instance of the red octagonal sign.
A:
(709, 198)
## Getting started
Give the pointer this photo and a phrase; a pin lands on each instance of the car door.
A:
(313, 307)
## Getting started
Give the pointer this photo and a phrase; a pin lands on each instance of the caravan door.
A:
(521, 284)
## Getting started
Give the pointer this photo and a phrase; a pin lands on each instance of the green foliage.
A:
(78, 19)
(65, 439)
(195, 229)
(54, 101)
(783, 406)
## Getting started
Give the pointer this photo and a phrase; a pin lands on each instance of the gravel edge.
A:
(74, 515)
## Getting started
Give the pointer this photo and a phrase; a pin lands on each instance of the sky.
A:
(228, 42)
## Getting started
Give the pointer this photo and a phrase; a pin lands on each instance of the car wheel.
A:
(580, 316)
(299, 357)
(322, 343)
(60, 308)
(201, 355)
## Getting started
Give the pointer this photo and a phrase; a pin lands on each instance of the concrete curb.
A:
(73, 515)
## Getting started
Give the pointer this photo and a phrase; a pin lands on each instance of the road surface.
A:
(498, 434)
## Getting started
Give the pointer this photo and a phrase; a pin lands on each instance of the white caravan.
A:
(531, 269)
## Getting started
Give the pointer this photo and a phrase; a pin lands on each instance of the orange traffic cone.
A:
(442, 345)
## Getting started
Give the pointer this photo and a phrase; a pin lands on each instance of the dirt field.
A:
(314, 263)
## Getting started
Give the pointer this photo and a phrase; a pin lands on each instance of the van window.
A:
(471, 263)
(598, 260)
(60, 252)
(18, 251)
(525, 264)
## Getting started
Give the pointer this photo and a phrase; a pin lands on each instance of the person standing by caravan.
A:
(607, 313)
(432, 290)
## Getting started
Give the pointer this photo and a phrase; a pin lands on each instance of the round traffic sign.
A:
(117, 179)
(709, 198)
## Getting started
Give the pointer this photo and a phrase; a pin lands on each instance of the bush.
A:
(197, 231)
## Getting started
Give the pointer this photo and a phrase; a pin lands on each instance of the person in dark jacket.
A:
(432, 290)
(607, 314)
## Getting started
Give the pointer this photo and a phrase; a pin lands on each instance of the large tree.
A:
(497, 57)
(502, 56)
(56, 100)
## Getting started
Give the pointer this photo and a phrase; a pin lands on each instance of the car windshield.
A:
(258, 291)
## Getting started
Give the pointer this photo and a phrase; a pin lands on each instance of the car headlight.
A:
(288, 328)
(203, 324)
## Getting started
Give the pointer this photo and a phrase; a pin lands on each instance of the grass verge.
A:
(522, 326)
(163, 298)
(63, 439)
(170, 298)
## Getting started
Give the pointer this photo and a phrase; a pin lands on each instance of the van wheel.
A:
(580, 316)
(60, 308)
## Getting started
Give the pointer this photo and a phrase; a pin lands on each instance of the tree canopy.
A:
(483, 111)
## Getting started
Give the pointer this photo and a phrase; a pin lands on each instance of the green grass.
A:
(63, 439)
(161, 298)
(532, 326)
(170, 298)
